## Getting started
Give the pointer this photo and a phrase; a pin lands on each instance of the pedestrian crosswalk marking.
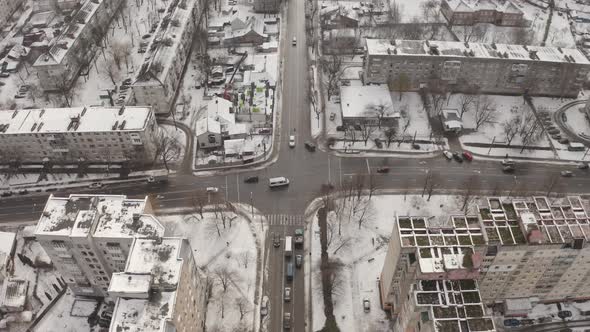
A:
(285, 220)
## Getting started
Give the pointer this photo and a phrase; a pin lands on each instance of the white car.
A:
(292, 141)
(212, 190)
(508, 162)
(264, 306)
(448, 154)
(294, 43)
(95, 185)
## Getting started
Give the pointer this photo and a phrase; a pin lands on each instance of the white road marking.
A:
(238, 186)
(368, 167)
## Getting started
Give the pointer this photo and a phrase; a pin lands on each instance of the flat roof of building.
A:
(74, 119)
(457, 231)
(111, 216)
(138, 315)
(359, 101)
(451, 49)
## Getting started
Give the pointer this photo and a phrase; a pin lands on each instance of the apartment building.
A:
(469, 12)
(95, 134)
(512, 249)
(160, 75)
(465, 67)
(89, 237)
(7, 8)
(73, 50)
(160, 273)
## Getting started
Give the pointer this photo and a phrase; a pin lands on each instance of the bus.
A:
(278, 181)
(288, 246)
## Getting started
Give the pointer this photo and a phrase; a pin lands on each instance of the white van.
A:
(278, 181)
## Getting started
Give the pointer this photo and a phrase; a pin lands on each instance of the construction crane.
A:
(228, 85)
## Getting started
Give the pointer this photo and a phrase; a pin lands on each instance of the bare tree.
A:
(168, 148)
(243, 306)
(380, 110)
(474, 33)
(244, 258)
(522, 36)
(64, 88)
(485, 111)
(332, 66)
(390, 134)
(111, 70)
(466, 103)
(332, 279)
(367, 129)
(395, 13)
(511, 128)
(470, 187)
(225, 276)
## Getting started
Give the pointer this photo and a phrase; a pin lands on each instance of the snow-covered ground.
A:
(362, 251)
(60, 317)
(231, 250)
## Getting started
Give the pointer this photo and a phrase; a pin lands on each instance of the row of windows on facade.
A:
(73, 134)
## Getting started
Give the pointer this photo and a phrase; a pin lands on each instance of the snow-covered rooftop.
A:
(162, 50)
(476, 5)
(457, 231)
(75, 119)
(101, 215)
(451, 49)
(61, 45)
(155, 264)
(14, 293)
(357, 101)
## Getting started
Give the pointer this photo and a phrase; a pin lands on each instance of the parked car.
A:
(366, 305)
(378, 143)
(332, 116)
(4, 75)
(383, 170)
(287, 320)
(212, 190)
(291, 141)
(95, 185)
(567, 174)
(106, 314)
(415, 146)
(23, 192)
(448, 154)
(583, 165)
(310, 146)
(251, 179)
(287, 296)
(6, 193)
(511, 322)
(264, 306)
(298, 261)
(276, 240)
(467, 155)
(527, 321)
(508, 162)
(563, 314)
(457, 157)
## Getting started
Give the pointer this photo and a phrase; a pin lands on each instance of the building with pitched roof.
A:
(253, 33)
(489, 68)
(469, 12)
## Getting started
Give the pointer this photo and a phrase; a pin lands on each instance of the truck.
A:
(299, 237)
(287, 246)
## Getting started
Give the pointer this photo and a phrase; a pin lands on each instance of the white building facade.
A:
(88, 237)
(95, 134)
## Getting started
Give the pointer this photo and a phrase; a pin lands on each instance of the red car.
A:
(467, 155)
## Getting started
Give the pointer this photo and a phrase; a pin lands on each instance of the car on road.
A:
(332, 116)
(383, 170)
(276, 240)
(527, 321)
(212, 190)
(563, 314)
(310, 146)
(251, 179)
(294, 42)
(298, 261)
(457, 157)
(467, 156)
(291, 141)
(287, 294)
(264, 306)
(287, 320)
(448, 154)
(567, 174)
(298, 237)
(95, 185)
(583, 166)
(508, 162)
(7, 193)
(508, 169)
(366, 305)
(23, 192)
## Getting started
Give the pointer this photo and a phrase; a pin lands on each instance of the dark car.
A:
(378, 143)
(563, 314)
(298, 261)
(511, 322)
(467, 156)
(251, 179)
(457, 157)
(309, 146)
(383, 170)
(583, 166)
(508, 169)
(276, 240)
